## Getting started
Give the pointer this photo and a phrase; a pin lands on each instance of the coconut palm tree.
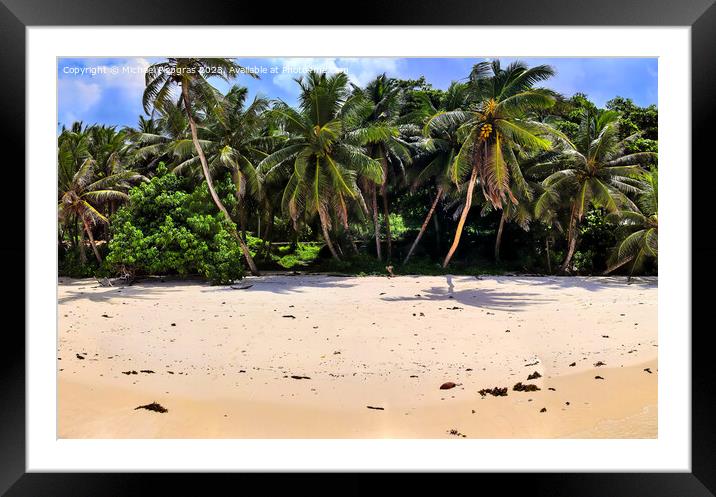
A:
(81, 197)
(375, 127)
(321, 167)
(439, 148)
(640, 228)
(595, 170)
(191, 75)
(493, 127)
(234, 144)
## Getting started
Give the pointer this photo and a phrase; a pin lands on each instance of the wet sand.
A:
(223, 361)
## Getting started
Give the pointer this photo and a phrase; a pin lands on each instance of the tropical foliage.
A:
(511, 174)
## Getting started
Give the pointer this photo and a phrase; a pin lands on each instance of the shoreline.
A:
(229, 357)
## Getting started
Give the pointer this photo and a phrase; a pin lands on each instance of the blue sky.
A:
(109, 90)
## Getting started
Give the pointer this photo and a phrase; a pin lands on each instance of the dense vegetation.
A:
(497, 173)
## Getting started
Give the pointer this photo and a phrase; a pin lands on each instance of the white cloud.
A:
(81, 88)
(359, 70)
(78, 94)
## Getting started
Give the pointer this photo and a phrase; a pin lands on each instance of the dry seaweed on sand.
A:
(534, 376)
(519, 387)
(495, 392)
(153, 407)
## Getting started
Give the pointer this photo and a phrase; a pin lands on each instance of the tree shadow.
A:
(589, 283)
(486, 298)
(139, 291)
(286, 284)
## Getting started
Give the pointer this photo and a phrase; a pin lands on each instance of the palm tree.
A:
(191, 75)
(438, 150)
(494, 127)
(376, 128)
(641, 227)
(234, 144)
(81, 196)
(320, 166)
(592, 170)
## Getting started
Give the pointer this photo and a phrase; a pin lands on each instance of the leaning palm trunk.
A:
(386, 213)
(376, 222)
(81, 246)
(425, 224)
(207, 176)
(498, 240)
(326, 236)
(88, 229)
(572, 240)
(463, 215)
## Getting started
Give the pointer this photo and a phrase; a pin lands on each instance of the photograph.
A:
(357, 247)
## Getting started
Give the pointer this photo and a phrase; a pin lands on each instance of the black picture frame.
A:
(16, 15)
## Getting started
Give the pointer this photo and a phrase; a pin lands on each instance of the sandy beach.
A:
(314, 356)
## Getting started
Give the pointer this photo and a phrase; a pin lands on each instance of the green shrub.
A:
(164, 229)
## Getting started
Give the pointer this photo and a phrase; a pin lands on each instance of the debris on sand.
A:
(245, 287)
(153, 407)
(455, 308)
(129, 372)
(598, 378)
(544, 409)
(376, 408)
(519, 387)
(291, 316)
(534, 376)
(148, 371)
(447, 385)
(79, 356)
(599, 363)
(456, 433)
(552, 389)
(573, 364)
(106, 316)
(648, 370)
(390, 271)
(495, 392)
(297, 377)
(532, 364)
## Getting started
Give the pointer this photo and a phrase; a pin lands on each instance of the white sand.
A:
(372, 341)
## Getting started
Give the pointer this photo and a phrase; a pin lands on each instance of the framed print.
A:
(425, 245)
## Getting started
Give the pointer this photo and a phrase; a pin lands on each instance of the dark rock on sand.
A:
(534, 376)
(573, 364)
(447, 385)
(544, 409)
(599, 363)
(79, 356)
(598, 378)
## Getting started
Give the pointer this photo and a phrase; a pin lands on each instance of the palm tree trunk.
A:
(207, 176)
(386, 213)
(571, 241)
(376, 223)
(425, 224)
(463, 215)
(83, 254)
(498, 240)
(326, 236)
(91, 239)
